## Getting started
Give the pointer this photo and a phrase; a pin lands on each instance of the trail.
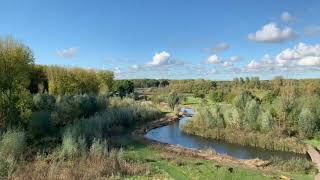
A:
(315, 157)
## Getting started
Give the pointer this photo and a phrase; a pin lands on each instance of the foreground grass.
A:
(166, 165)
(313, 142)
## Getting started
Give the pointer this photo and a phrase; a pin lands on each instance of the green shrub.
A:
(88, 105)
(43, 102)
(40, 124)
(216, 96)
(173, 100)
(252, 111)
(307, 123)
(67, 110)
(70, 147)
(12, 146)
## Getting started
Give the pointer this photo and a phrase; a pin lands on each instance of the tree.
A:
(307, 123)
(105, 80)
(16, 61)
(123, 87)
(173, 100)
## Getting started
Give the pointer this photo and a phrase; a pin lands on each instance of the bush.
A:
(12, 146)
(43, 102)
(72, 147)
(173, 100)
(67, 110)
(307, 123)
(252, 111)
(40, 124)
(265, 121)
(216, 96)
(88, 105)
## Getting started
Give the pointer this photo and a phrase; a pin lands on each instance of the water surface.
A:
(172, 134)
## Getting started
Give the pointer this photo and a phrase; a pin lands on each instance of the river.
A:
(172, 134)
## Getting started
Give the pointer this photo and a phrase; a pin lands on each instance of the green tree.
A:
(16, 61)
(123, 87)
(307, 123)
(173, 100)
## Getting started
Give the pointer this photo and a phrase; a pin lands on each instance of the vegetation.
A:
(73, 123)
(286, 115)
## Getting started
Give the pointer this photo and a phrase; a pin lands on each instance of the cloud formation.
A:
(270, 33)
(160, 59)
(302, 54)
(213, 59)
(68, 53)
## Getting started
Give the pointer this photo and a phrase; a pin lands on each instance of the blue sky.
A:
(171, 38)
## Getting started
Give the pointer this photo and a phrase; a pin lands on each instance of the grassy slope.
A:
(164, 165)
(313, 142)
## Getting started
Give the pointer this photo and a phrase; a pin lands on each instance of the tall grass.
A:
(122, 114)
(73, 160)
(12, 146)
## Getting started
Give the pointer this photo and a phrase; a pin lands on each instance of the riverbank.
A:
(245, 138)
(253, 164)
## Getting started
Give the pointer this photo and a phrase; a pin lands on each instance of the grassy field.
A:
(166, 165)
(313, 142)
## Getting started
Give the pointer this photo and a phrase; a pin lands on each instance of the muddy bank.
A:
(204, 154)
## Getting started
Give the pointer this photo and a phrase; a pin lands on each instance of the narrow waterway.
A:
(172, 134)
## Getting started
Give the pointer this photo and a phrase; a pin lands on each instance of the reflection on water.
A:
(172, 134)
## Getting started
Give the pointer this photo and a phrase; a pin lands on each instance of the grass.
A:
(166, 165)
(313, 142)
(190, 100)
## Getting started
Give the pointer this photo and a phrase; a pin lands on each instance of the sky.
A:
(171, 39)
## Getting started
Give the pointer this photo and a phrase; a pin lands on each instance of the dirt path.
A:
(315, 157)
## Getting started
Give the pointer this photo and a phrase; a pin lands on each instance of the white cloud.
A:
(233, 58)
(228, 63)
(67, 53)
(270, 33)
(253, 65)
(287, 17)
(213, 59)
(309, 61)
(302, 53)
(160, 59)
(312, 30)
(220, 47)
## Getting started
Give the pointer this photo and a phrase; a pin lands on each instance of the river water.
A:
(172, 134)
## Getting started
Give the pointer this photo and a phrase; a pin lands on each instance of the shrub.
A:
(43, 102)
(252, 111)
(173, 100)
(67, 110)
(88, 105)
(12, 146)
(216, 96)
(307, 123)
(241, 101)
(70, 147)
(265, 121)
(40, 124)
